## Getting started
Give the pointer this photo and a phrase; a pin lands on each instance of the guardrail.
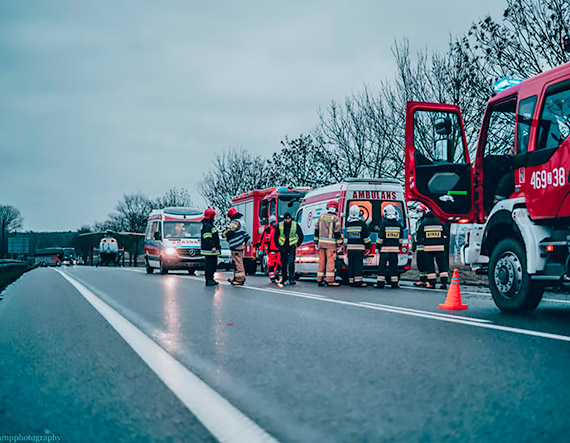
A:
(11, 270)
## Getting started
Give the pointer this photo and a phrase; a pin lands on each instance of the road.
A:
(118, 355)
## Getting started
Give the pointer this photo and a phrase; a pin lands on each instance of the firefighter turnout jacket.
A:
(327, 231)
(358, 238)
(390, 237)
(431, 234)
(237, 236)
(209, 238)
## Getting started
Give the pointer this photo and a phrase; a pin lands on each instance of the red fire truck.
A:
(522, 239)
(257, 206)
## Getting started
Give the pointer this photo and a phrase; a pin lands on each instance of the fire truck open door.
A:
(438, 170)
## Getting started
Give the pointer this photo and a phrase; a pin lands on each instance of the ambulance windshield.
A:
(371, 211)
(182, 229)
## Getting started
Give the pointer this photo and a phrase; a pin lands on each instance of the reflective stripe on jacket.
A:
(327, 231)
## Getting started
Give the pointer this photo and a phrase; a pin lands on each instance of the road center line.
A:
(222, 419)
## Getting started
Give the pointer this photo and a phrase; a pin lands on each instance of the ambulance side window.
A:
(155, 228)
(148, 235)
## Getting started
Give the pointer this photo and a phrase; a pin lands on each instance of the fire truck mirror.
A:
(442, 126)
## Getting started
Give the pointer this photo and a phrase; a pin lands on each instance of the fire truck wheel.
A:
(149, 269)
(163, 268)
(511, 286)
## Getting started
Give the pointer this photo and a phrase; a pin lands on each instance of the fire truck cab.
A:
(371, 195)
(522, 238)
(257, 206)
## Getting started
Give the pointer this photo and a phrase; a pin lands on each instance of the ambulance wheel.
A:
(191, 271)
(511, 286)
(163, 268)
(149, 268)
(250, 266)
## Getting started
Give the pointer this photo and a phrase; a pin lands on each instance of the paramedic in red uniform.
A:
(389, 242)
(210, 245)
(327, 239)
(270, 248)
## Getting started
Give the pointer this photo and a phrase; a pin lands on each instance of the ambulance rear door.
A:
(438, 170)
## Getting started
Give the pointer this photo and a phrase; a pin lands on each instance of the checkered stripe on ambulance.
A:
(371, 196)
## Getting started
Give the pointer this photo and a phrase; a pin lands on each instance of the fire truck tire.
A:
(149, 268)
(163, 268)
(511, 286)
(250, 266)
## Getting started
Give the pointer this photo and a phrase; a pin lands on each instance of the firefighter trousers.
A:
(388, 273)
(273, 260)
(421, 264)
(355, 266)
(239, 270)
(287, 263)
(210, 267)
(442, 260)
(327, 257)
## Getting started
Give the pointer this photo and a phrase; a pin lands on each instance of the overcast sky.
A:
(101, 98)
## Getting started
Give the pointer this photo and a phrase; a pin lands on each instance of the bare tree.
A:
(10, 221)
(173, 197)
(234, 172)
(133, 211)
(302, 162)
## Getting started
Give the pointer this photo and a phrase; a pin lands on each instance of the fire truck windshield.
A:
(288, 203)
(182, 229)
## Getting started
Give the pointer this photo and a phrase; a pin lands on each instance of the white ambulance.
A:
(172, 240)
(371, 196)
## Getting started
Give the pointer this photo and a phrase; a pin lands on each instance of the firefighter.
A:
(357, 244)
(210, 245)
(270, 248)
(237, 238)
(420, 254)
(433, 235)
(288, 235)
(389, 242)
(328, 239)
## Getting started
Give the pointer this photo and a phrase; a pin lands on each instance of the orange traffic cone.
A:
(453, 299)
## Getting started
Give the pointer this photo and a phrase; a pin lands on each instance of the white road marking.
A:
(406, 311)
(223, 420)
(426, 312)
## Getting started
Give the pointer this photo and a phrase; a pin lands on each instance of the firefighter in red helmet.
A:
(210, 245)
(328, 239)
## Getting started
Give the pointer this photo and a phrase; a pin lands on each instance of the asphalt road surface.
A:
(118, 355)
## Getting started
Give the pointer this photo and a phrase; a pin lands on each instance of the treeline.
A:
(364, 135)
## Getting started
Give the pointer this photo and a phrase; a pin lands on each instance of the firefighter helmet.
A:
(390, 212)
(332, 206)
(232, 212)
(354, 213)
(209, 213)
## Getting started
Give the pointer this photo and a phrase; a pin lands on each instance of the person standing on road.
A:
(210, 245)
(358, 242)
(328, 239)
(389, 242)
(269, 247)
(420, 254)
(237, 238)
(288, 235)
(433, 235)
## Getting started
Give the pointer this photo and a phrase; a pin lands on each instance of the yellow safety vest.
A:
(292, 235)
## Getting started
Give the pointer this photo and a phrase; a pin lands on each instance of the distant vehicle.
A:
(69, 256)
(257, 206)
(49, 257)
(172, 240)
(371, 196)
(108, 251)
